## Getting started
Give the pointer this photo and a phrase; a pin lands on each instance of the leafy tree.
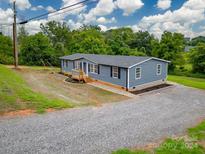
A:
(131, 52)
(6, 53)
(118, 39)
(197, 40)
(22, 34)
(88, 40)
(143, 42)
(59, 35)
(170, 48)
(37, 50)
(197, 58)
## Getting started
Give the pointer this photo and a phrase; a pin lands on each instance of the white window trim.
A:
(94, 68)
(77, 65)
(159, 70)
(137, 78)
(117, 72)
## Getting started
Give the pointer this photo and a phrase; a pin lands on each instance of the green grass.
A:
(169, 146)
(179, 146)
(127, 151)
(188, 81)
(198, 132)
(15, 94)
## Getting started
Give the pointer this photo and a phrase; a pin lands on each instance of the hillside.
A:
(15, 94)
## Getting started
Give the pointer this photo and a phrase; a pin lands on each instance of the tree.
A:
(118, 39)
(22, 34)
(6, 54)
(197, 58)
(37, 50)
(88, 40)
(142, 41)
(197, 40)
(56, 32)
(170, 48)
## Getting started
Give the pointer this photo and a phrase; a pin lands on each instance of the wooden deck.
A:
(80, 76)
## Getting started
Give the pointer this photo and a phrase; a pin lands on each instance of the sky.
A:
(155, 16)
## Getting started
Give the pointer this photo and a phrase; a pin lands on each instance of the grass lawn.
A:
(198, 132)
(188, 81)
(195, 144)
(15, 94)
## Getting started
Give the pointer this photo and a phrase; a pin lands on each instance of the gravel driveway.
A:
(100, 130)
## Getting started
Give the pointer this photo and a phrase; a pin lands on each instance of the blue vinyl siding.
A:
(66, 67)
(105, 75)
(148, 73)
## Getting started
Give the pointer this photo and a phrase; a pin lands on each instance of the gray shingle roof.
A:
(113, 60)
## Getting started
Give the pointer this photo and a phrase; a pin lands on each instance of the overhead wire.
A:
(56, 11)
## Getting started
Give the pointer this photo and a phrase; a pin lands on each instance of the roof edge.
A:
(148, 60)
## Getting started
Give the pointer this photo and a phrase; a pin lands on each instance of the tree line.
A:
(56, 40)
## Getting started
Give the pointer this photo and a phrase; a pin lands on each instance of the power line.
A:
(45, 14)
(92, 2)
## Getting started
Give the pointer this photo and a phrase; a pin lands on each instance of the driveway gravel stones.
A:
(100, 130)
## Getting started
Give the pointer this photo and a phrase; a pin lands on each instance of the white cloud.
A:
(22, 4)
(164, 4)
(6, 16)
(76, 10)
(50, 9)
(103, 20)
(74, 25)
(104, 7)
(105, 28)
(34, 26)
(135, 28)
(181, 20)
(61, 15)
(129, 6)
(39, 7)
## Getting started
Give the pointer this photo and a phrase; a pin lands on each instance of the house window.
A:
(159, 69)
(93, 68)
(115, 72)
(138, 73)
(77, 65)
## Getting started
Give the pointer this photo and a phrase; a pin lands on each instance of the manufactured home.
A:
(127, 72)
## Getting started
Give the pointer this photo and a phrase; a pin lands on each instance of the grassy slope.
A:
(188, 81)
(15, 94)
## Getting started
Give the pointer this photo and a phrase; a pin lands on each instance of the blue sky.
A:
(155, 16)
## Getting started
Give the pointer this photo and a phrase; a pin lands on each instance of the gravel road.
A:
(100, 130)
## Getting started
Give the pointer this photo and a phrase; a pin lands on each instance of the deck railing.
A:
(77, 74)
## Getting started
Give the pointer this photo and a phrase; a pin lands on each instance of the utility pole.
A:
(14, 37)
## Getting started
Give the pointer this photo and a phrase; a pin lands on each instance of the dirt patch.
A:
(19, 113)
(52, 84)
(26, 112)
(151, 89)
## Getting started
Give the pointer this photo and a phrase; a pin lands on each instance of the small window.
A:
(138, 73)
(115, 72)
(77, 65)
(93, 68)
(159, 69)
